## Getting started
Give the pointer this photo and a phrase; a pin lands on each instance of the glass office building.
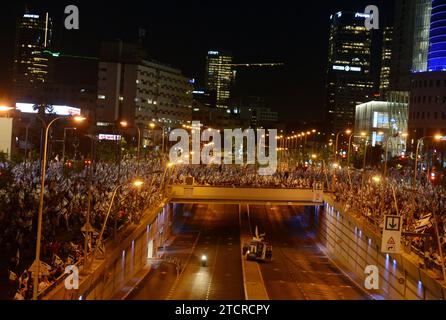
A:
(348, 76)
(386, 60)
(219, 77)
(383, 120)
(33, 36)
(437, 37)
(421, 35)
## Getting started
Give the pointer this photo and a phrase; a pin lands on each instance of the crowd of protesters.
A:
(66, 202)
(65, 209)
(372, 197)
(247, 176)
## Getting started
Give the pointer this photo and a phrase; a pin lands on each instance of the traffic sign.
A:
(391, 238)
(393, 223)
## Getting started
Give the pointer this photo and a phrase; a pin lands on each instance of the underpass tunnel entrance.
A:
(297, 266)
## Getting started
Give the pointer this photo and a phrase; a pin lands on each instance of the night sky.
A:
(180, 33)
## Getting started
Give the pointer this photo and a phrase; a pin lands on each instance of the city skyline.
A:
(255, 34)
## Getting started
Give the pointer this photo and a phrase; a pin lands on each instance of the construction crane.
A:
(266, 64)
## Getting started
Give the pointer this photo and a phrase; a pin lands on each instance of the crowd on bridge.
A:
(66, 203)
(247, 176)
(364, 194)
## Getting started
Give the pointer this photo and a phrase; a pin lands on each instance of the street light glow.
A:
(348, 131)
(138, 183)
(79, 118)
(5, 108)
(376, 179)
(124, 123)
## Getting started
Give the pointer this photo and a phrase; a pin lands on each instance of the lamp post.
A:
(378, 179)
(387, 153)
(365, 155)
(335, 155)
(363, 134)
(125, 125)
(36, 264)
(415, 170)
(87, 228)
(64, 141)
(137, 183)
(153, 126)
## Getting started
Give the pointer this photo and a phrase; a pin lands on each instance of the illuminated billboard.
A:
(110, 137)
(55, 109)
(347, 68)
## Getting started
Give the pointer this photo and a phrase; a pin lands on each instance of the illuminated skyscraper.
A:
(427, 113)
(348, 76)
(421, 35)
(386, 59)
(33, 36)
(219, 77)
(437, 37)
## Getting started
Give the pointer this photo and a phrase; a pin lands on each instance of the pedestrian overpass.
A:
(231, 195)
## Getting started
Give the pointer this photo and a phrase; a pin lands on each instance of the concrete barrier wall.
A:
(355, 245)
(178, 192)
(110, 274)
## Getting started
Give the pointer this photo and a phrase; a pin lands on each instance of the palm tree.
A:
(43, 109)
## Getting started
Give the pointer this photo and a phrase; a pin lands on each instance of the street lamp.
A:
(124, 124)
(387, 152)
(168, 166)
(136, 184)
(153, 126)
(36, 264)
(415, 173)
(363, 134)
(348, 131)
(378, 179)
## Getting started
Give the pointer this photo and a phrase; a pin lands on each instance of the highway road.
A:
(299, 270)
(212, 230)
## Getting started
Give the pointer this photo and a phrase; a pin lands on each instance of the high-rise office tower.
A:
(437, 37)
(31, 65)
(427, 113)
(421, 35)
(410, 42)
(386, 59)
(219, 77)
(349, 82)
(402, 45)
